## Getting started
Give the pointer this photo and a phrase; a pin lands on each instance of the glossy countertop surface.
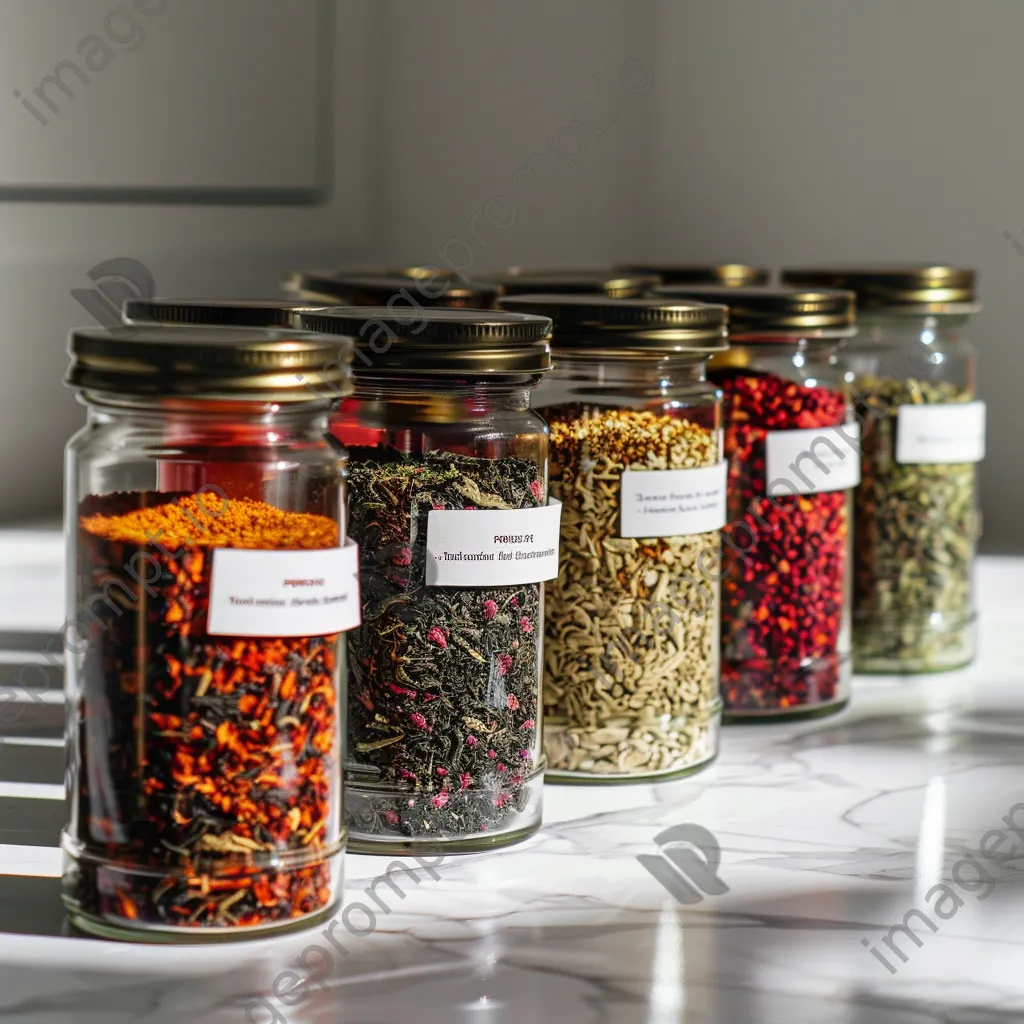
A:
(830, 832)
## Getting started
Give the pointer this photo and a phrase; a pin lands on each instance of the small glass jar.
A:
(209, 580)
(733, 275)
(792, 443)
(631, 657)
(448, 486)
(401, 291)
(916, 511)
(614, 284)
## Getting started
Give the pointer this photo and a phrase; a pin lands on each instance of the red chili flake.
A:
(783, 589)
(512, 703)
(438, 635)
(490, 609)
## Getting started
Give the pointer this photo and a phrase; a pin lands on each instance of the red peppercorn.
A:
(786, 566)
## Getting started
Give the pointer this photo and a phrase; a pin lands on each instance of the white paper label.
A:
(812, 461)
(284, 593)
(946, 434)
(673, 502)
(492, 547)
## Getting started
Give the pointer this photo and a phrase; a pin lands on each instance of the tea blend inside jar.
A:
(793, 459)
(448, 499)
(631, 648)
(916, 517)
(204, 667)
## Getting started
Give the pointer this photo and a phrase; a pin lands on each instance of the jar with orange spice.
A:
(209, 583)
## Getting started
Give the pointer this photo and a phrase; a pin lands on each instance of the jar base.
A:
(405, 822)
(555, 777)
(771, 715)
(880, 651)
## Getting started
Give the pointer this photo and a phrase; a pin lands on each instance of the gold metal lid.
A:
(255, 364)
(734, 275)
(649, 326)
(457, 342)
(214, 312)
(408, 288)
(614, 284)
(809, 313)
(911, 289)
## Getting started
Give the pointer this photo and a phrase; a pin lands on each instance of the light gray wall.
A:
(796, 131)
(773, 130)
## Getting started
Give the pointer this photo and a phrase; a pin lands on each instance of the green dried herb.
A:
(444, 682)
(915, 529)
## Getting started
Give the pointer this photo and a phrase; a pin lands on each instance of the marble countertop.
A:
(831, 832)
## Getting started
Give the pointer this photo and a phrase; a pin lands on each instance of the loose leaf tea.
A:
(208, 791)
(784, 584)
(631, 646)
(443, 736)
(914, 538)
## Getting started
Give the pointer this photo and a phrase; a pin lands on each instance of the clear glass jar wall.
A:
(204, 757)
(443, 740)
(916, 519)
(631, 660)
(786, 575)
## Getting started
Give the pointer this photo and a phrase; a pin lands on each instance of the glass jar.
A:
(209, 580)
(448, 488)
(734, 275)
(631, 657)
(401, 291)
(791, 440)
(916, 511)
(614, 284)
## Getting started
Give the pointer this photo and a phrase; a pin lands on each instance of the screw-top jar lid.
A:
(613, 283)
(777, 312)
(650, 326)
(214, 312)
(255, 364)
(413, 286)
(909, 289)
(732, 274)
(463, 342)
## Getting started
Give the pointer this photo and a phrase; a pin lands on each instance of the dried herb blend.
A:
(206, 776)
(915, 527)
(443, 691)
(631, 655)
(783, 593)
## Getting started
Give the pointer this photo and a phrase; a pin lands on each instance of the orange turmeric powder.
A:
(196, 520)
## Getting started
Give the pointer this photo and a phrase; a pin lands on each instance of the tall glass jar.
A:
(448, 485)
(733, 275)
(792, 442)
(631, 656)
(403, 292)
(209, 582)
(916, 513)
(614, 284)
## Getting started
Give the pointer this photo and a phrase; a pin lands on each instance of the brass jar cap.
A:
(462, 342)
(912, 289)
(734, 275)
(255, 364)
(818, 312)
(648, 326)
(612, 283)
(411, 287)
(213, 312)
